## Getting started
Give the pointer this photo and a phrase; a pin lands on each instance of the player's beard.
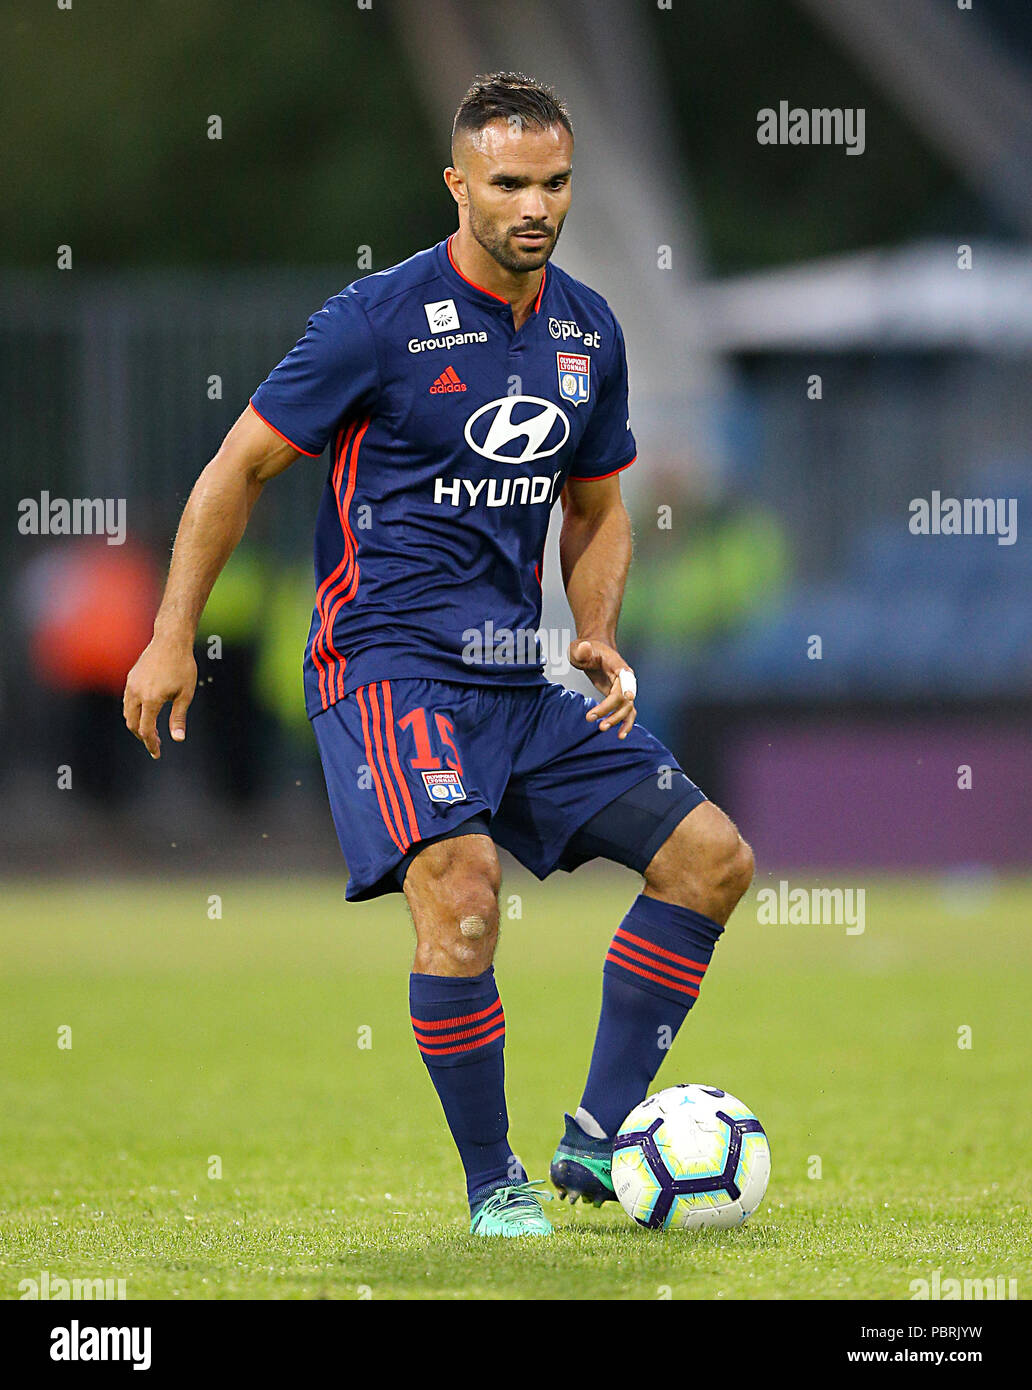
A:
(499, 244)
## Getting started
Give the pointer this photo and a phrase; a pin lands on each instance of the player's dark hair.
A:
(503, 95)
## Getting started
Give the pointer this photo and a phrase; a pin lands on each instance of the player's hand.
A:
(610, 675)
(165, 671)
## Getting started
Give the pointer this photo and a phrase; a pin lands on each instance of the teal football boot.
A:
(582, 1166)
(512, 1210)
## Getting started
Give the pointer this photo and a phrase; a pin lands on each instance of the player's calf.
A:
(653, 974)
(459, 1024)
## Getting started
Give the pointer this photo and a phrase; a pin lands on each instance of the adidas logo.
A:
(447, 382)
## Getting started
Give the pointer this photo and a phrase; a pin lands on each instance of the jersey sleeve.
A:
(608, 445)
(328, 376)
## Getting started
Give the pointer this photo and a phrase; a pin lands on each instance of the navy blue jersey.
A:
(452, 436)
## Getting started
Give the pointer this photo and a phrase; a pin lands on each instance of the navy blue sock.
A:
(650, 980)
(460, 1031)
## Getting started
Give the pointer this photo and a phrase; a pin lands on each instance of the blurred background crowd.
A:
(815, 339)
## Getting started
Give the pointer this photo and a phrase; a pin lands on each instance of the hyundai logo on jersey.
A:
(517, 429)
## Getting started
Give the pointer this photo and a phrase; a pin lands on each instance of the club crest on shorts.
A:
(444, 787)
(574, 376)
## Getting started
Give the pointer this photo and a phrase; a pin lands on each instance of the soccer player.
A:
(462, 393)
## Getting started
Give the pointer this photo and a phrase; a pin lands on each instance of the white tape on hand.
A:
(628, 684)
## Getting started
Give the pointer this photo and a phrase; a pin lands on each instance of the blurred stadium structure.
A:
(766, 514)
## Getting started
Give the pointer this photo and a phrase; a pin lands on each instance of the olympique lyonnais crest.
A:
(444, 787)
(574, 376)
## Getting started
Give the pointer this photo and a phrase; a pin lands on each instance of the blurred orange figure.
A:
(94, 607)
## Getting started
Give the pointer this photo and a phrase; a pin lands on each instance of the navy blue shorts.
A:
(410, 761)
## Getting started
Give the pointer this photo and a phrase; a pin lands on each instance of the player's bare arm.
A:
(595, 554)
(210, 529)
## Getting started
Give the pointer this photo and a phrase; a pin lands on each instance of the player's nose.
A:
(534, 208)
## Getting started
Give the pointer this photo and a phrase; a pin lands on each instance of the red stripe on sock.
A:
(696, 979)
(649, 975)
(457, 1020)
(433, 1039)
(463, 1047)
(659, 950)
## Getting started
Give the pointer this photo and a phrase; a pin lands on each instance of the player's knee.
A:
(740, 869)
(469, 907)
(705, 861)
(452, 889)
(457, 934)
(473, 927)
(725, 860)
(463, 877)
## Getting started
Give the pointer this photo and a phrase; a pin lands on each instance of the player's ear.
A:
(456, 181)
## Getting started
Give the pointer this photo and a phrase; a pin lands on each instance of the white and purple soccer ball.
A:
(690, 1156)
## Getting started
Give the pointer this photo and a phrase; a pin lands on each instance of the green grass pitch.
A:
(239, 1040)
